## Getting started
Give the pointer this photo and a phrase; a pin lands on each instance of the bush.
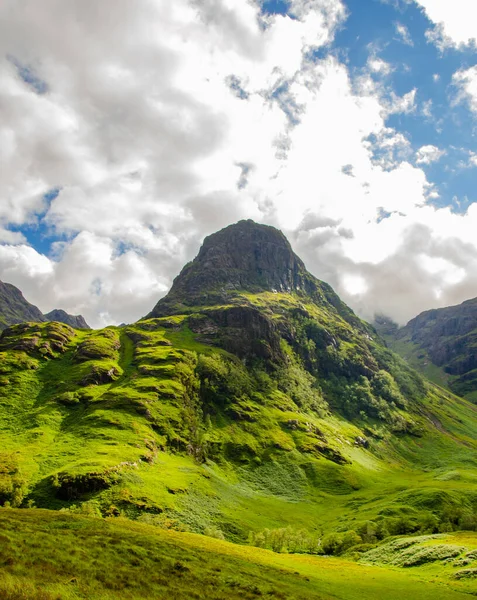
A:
(221, 380)
(337, 543)
(214, 532)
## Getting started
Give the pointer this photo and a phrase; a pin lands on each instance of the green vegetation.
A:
(46, 555)
(150, 420)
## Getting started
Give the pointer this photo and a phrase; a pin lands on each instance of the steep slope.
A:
(251, 398)
(443, 342)
(15, 309)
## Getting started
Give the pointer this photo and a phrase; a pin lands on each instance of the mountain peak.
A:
(14, 309)
(245, 256)
(248, 255)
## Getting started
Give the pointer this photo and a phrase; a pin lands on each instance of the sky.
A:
(131, 130)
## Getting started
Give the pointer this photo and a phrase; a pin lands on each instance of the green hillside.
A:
(49, 555)
(261, 411)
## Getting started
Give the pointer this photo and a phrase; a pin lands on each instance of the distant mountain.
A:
(442, 343)
(14, 308)
(76, 321)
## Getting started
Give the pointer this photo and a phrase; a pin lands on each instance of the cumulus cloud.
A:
(454, 22)
(159, 123)
(429, 154)
(472, 159)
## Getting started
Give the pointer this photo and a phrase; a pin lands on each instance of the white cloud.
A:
(426, 108)
(466, 83)
(403, 33)
(165, 121)
(472, 159)
(379, 66)
(429, 154)
(454, 22)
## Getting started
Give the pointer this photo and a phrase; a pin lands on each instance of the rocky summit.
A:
(244, 257)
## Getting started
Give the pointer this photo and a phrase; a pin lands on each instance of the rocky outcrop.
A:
(449, 336)
(45, 340)
(241, 330)
(434, 328)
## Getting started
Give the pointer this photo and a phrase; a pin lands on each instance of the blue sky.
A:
(349, 124)
(370, 29)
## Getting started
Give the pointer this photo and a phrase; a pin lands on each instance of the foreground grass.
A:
(46, 555)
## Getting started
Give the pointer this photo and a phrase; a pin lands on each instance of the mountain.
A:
(76, 321)
(442, 343)
(15, 309)
(250, 404)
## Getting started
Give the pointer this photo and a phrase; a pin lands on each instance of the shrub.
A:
(214, 532)
(337, 543)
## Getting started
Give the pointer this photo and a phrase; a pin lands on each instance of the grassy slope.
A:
(132, 434)
(48, 555)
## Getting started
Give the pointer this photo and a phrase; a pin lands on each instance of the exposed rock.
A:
(241, 330)
(30, 338)
(249, 257)
(100, 375)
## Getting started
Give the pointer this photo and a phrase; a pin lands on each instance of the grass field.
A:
(46, 555)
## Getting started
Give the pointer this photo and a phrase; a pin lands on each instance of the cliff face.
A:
(244, 257)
